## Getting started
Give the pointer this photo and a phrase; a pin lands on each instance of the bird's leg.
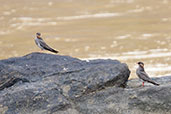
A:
(41, 51)
(143, 84)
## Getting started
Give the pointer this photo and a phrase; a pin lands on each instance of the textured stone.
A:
(52, 84)
(46, 83)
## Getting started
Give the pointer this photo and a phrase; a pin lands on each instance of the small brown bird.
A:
(143, 75)
(42, 45)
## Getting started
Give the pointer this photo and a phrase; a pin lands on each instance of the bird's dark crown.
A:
(140, 63)
(38, 34)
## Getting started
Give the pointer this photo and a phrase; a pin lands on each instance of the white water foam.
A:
(123, 36)
(154, 53)
(97, 15)
(4, 32)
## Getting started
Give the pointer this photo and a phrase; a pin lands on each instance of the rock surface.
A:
(45, 83)
(134, 99)
(52, 84)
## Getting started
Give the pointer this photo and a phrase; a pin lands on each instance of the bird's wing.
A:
(43, 44)
(144, 76)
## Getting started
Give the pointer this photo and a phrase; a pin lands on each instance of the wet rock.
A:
(45, 83)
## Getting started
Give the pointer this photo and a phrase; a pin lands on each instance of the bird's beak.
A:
(138, 63)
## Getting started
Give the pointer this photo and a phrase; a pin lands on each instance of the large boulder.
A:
(44, 83)
(52, 84)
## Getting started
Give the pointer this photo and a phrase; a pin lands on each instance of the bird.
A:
(143, 75)
(42, 45)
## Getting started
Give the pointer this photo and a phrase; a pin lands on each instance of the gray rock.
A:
(134, 99)
(43, 83)
(52, 84)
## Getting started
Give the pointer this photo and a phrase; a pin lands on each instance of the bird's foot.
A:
(41, 51)
(143, 84)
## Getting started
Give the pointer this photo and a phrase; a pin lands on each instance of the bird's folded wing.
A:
(145, 76)
(43, 44)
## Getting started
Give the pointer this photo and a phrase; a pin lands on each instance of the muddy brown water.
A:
(127, 30)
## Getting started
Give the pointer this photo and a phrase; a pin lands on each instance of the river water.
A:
(127, 30)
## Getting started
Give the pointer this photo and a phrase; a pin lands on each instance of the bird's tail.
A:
(52, 50)
(55, 51)
(151, 81)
